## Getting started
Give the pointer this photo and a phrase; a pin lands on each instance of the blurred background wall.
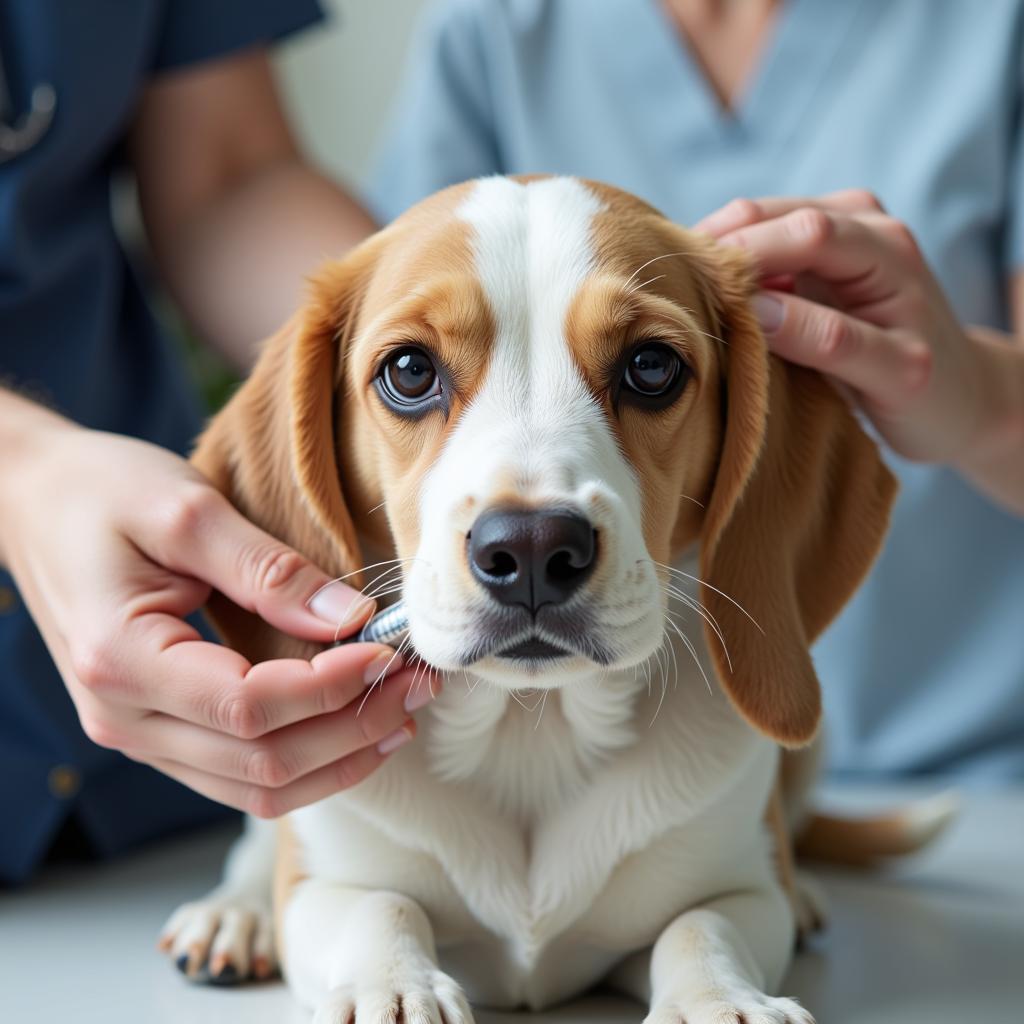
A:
(339, 80)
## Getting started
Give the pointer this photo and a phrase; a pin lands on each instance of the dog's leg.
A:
(227, 936)
(804, 894)
(715, 963)
(364, 956)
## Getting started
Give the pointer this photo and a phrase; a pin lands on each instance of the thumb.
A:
(212, 541)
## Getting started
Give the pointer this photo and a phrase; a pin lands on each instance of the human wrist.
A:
(1000, 425)
(27, 432)
(997, 440)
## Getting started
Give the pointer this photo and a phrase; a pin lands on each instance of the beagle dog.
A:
(618, 525)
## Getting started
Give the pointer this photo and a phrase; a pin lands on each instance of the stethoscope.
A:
(20, 136)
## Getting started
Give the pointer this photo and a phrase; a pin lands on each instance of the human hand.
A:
(112, 542)
(849, 293)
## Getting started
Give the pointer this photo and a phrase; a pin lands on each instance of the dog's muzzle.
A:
(532, 560)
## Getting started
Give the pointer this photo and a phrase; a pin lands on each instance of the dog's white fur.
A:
(550, 831)
(534, 422)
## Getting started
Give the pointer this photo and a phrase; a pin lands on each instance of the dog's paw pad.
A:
(338, 1008)
(220, 942)
(747, 1009)
(423, 1000)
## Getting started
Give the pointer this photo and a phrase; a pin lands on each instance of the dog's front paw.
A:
(741, 1007)
(810, 906)
(422, 995)
(221, 941)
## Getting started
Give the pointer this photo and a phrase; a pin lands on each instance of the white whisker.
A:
(675, 663)
(519, 700)
(650, 280)
(664, 683)
(543, 705)
(694, 605)
(364, 568)
(383, 673)
(721, 593)
(666, 256)
(692, 327)
(693, 653)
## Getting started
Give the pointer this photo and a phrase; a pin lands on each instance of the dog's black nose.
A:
(531, 558)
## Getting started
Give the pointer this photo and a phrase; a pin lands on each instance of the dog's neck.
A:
(478, 732)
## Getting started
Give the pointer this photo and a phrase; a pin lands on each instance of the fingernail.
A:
(397, 739)
(385, 664)
(769, 311)
(421, 694)
(340, 605)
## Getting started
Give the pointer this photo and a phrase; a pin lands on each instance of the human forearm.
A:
(237, 266)
(235, 217)
(994, 460)
(25, 430)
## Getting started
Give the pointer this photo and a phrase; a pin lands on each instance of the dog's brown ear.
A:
(797, 514)
(271, 449)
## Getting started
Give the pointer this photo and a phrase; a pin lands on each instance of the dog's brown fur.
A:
(787, 495)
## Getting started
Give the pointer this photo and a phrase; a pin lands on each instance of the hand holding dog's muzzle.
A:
(264, 737)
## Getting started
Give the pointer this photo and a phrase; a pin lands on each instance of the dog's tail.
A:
(863, 842)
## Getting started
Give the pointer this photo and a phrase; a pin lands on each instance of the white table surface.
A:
(938, 939)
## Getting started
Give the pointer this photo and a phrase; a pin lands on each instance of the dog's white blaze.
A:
(533, 252)
(534, 427)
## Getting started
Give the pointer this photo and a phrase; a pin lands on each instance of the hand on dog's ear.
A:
(271, 449)
(797, 514)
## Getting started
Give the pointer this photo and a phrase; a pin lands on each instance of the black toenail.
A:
(227, 976)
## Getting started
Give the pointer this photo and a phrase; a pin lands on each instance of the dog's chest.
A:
(530, 831)
(528, 755)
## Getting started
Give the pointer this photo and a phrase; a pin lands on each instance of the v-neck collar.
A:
(801, 47)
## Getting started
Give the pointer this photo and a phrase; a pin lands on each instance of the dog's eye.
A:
(653, 370)
(409, 377)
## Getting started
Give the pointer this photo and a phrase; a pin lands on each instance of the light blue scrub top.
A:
(919, 101)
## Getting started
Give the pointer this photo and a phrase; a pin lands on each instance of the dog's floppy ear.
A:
(797, 514)
(271, 449)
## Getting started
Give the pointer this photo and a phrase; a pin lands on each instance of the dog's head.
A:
(538, 394)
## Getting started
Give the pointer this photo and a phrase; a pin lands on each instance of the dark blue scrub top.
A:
(75, 331)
